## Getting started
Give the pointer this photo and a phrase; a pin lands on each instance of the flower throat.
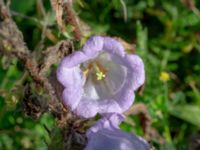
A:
(97, 69)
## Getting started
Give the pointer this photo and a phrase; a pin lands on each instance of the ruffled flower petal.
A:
(93, 46)
(135, 64)
(113, 47)
(106, 135)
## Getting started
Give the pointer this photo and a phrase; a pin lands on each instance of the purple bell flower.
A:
(106, 135)
(100, 78)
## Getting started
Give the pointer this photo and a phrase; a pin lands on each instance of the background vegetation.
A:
(167, 37)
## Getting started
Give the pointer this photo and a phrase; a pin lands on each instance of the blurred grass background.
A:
(167, 37)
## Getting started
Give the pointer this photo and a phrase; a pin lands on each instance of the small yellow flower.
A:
(164, 76)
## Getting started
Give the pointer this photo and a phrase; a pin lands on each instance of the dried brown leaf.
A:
(52, 55)
(57, 7)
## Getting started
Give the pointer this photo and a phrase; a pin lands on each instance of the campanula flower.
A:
(106, 135)
(100, 78)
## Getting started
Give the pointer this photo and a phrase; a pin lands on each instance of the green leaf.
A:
(141, 34)
(189, 113)
(22, 6)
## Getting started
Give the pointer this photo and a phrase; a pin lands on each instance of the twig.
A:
(10, 34)
(14, 13)
(57, 7)
(71, 19)
(190, 4)
(41, 7)
(53, 55)
(12, 44)
(142, 111)
(65, 15)
(145, 121)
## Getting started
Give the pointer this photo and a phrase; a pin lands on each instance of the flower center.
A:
(96, 67)
(103, 77)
